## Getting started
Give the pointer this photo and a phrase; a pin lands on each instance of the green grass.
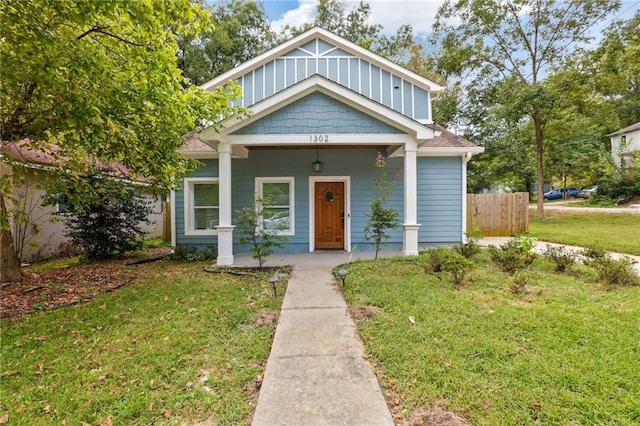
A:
(566, 352)
(178, 346)
(612, 232)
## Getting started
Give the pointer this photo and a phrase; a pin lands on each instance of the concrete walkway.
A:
(316, 373)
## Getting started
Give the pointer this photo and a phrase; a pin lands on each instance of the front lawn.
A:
(175, 345)
(566, 351)
(612, 232)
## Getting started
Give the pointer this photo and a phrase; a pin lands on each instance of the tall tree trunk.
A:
(10, 267)
(537, 121)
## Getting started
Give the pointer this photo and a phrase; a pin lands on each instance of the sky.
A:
(389, 13)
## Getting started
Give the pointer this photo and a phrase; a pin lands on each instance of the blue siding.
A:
(358, 164)
(440, 199)
(317, 113)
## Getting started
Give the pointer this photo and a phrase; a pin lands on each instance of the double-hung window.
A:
(278, 198)
(201, 206)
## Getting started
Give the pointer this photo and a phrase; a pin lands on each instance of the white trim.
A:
(410, 226)
(260, 181)
(448, 151)
(189, 215)
(173, 217)
(347, 208)
(337, 41)
(465, 160)
(334, 139)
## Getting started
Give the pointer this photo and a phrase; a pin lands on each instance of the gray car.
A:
(588, 192)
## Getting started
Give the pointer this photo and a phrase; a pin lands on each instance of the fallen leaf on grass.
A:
(106, 422)
(4, 419)
(166, 414)
(412, 320)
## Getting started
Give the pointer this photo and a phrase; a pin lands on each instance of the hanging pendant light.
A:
(317, 165)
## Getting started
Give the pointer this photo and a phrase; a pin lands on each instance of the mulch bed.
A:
(67, 286)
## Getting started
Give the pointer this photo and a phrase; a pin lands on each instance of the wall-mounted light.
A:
(317, 165)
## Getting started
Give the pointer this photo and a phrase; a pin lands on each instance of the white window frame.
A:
(260, 181)
(189, 210)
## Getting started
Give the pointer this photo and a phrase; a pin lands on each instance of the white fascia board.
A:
(200, 155)
(316, 32)
(331, 89)
(449, 151)
(333, 139)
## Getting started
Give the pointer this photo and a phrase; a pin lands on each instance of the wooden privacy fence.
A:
(494, 215)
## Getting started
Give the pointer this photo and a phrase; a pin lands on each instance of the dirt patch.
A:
(364, 313)
(67, 286)
(434, 417)
(266, 319)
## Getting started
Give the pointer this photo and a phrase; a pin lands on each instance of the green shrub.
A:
(446, 260)
(458, 266)
(562, 258)
(193, 254)
(468, 249)
(593, 252)
(620, 186)
(616, 272)
(436, 259)
(514, 255)
(519, 282)
(109, 223)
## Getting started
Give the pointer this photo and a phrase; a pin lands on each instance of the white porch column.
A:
(225, 228)
(410, 226)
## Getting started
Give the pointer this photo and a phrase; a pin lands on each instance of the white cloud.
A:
(306, 12)
(390, 14)
(420, 14)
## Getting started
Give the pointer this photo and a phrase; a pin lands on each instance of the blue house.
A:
(322, 109)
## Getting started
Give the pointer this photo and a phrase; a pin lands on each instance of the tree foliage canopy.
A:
(241, 31)
(99, 79)
(502, 51)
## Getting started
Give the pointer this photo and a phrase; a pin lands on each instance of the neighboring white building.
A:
(624, 143)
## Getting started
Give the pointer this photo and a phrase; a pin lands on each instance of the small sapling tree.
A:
(381, 218)
(253, 232)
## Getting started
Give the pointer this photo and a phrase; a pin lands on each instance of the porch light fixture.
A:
(317, 165)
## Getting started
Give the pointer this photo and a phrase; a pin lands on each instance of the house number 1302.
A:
(318, 138)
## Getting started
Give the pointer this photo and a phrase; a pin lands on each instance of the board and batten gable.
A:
(318, 52)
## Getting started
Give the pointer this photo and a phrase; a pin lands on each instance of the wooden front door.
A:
(329, 215)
